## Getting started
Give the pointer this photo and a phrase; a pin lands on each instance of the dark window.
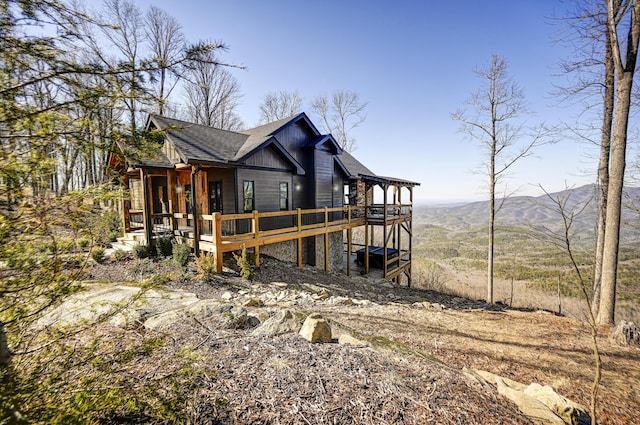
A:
(248, 196)
(284, 196)
(215, 197)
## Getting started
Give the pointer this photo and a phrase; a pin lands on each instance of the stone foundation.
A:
(288, 251)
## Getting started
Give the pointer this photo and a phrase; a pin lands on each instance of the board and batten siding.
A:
(294, 137)
(269, 158)
(323, 174)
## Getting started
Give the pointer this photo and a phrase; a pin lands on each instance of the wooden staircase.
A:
(129, 240)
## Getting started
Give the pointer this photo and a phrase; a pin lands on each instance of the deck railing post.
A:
(299, 218)
(217, 239)
(256, 235)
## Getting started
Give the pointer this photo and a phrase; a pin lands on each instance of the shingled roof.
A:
(196, 143)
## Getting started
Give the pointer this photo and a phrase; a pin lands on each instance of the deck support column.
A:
(126, 205)
(146, 211)
(171, 194)
(195, 210)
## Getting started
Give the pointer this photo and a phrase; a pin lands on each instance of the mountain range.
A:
(530, 211)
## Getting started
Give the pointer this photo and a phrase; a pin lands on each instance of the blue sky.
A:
(413, 62)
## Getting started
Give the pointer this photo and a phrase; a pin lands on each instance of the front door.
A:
(215, 197)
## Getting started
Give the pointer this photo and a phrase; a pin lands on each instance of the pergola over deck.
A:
(394, 215)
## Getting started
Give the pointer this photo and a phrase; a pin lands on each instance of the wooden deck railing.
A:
(220, 233)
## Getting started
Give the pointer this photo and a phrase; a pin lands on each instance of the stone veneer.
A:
(288, 251)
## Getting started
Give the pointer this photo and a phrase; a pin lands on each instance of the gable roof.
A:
(200, 143)
(196, 143)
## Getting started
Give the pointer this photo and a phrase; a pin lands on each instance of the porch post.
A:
(126, 204)
(195, 210)
(171, 193)
(146, 208)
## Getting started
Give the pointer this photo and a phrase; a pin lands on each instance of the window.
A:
(248, 196)
(284, 196)
(215, 196)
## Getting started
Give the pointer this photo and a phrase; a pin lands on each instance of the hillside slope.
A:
(215, 368)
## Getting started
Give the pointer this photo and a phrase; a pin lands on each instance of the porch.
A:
(221, 233)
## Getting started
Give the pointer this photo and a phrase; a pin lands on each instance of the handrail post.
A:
(299, 218)
(256, 235)
(326, 217)
(217, 239)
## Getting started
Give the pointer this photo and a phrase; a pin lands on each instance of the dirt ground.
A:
(521, 344)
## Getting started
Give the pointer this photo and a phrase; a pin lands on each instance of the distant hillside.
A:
(532, 211)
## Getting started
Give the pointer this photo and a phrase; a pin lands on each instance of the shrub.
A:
(119, 254)
(141, 251)
(107, 227)
(83, 243)
(206, 266)
(244, 263)
(181, 253)
(98, 254)
(143, 266)
(164, 245)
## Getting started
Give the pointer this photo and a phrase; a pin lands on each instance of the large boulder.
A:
(316, 329)
(570, 412)
(284, 321)
(541, 404)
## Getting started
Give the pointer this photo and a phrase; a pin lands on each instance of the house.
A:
(283, 189)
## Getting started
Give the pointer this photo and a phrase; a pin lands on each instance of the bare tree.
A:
(340, 115)
(625, 66)
(563, 240)
(166, 40)
(495, 121)
(126, 37)
(279, 105)
(213, 95)
(592, 68)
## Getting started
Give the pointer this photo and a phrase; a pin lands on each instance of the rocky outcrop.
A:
(284, 321)
(541, 404)
(316, 329)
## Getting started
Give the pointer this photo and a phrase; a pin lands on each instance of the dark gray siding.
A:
(323, 178)
(226, 175)
(266, 187)
(293, 138)
(269, 158)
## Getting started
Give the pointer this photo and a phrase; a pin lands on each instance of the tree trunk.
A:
(603, 171)
(492, 218)
(624, 73)
(606, 309)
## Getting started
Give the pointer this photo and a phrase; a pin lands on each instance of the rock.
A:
(346, 339)
(253, 302)
(283, 322)
(316, 329)
(541, 404)
(280, 285)
(226, 296)
(199, 310)
(625, 333)
(537, 412)
(570, 412)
